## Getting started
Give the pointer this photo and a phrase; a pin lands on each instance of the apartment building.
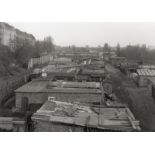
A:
(11, 37)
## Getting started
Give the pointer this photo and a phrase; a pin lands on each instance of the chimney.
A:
(51, 99)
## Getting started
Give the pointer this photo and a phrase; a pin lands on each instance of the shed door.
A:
(24, 104)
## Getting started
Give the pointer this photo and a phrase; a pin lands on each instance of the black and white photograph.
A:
(77, 77)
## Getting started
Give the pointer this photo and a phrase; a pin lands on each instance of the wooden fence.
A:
(39, 61)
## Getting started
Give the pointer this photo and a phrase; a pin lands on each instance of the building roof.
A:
(3, 25)
(117, 58)
(60, 68)
(147, 66)
(79, 115)
(146, 72)
(93, 71)
(88, 69)
(43, 86)
(88, 58)
(64, 84)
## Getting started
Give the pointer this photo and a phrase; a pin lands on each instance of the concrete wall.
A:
(40, 98)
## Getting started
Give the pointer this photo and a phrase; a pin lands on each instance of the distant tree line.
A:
(135, 53)
(74, 49)
(139, 53)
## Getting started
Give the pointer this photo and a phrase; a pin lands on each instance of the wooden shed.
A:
(37, 92)
(144, 76)
(59, 116)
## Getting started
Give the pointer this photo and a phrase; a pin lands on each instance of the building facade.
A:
(12, 37)
(36, 92)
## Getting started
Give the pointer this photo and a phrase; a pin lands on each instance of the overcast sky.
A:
(92, 33)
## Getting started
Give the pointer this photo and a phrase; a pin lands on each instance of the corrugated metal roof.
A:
(116, 118)
(146, 72)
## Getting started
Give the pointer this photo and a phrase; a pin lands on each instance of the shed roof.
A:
(64, 84)
(88, 58)
(43, 86)
(146, 72)
(102, 118)
(147, 66)
(118, 58)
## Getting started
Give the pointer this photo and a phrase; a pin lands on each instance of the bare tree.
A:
(48, 44)
(106, 48)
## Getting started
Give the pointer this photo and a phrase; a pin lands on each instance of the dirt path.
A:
(139, 100)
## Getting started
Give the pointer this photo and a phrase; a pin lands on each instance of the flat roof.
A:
(43, 86)
(88, 68)
(102, 118)
(95, 71)
(97, 59)
(118, 58)
(60, 69)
